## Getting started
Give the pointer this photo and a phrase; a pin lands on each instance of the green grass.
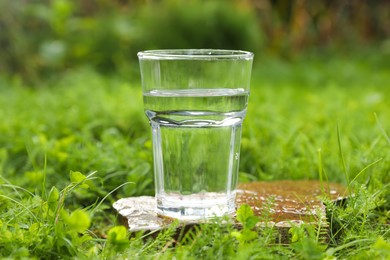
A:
(71, 147)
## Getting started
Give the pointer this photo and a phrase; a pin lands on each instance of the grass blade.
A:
(381, 128)
(342, 156)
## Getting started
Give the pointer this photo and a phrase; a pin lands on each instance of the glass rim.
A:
(195, 54)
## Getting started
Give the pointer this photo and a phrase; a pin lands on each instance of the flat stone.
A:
(277, 203)
(298, 201)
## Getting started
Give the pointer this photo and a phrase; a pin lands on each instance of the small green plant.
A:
(43, 223)
(248, 220)
(117, 240)
(305, 242)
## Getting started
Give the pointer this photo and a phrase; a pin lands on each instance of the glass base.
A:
(196, 206)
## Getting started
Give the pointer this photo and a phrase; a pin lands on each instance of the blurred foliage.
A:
(40, 38)
(212, 24)
(292, 26)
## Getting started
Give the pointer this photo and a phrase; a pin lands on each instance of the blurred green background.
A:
(42, 38)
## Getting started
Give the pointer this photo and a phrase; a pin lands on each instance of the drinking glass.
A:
(196, 101)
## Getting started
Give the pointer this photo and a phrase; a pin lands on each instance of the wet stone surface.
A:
(279, 203)
(289, 200)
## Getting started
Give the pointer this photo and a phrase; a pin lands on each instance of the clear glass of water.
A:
(196, 101)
